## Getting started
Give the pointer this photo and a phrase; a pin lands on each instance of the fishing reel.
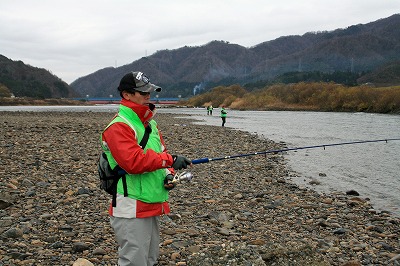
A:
(170, 181)
(182, 176)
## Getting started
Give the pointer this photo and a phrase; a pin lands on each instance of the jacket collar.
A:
(144, 112)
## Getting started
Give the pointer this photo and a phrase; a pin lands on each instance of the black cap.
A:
(137, 81)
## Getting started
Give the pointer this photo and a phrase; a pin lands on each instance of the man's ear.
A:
(125, 95)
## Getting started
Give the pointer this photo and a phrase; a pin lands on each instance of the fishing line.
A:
(206, 160)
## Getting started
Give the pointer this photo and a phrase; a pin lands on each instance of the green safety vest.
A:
(147, 187)
(223, 112)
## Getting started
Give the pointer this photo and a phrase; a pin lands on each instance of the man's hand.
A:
(180, 162)
(168, 184)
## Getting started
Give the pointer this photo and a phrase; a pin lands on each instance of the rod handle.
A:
(201, 160)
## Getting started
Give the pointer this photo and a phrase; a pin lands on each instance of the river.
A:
(371, 169)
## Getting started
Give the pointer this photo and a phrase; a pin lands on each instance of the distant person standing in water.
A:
(223, 115)
(209, 110)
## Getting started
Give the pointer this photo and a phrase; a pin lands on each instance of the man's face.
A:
(142, 98)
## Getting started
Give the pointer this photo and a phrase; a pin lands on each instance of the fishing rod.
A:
(187, 176)
(206, 160)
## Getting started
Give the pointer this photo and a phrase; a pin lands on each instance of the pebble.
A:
(242, 211)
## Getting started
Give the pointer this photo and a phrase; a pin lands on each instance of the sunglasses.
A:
(143, 93)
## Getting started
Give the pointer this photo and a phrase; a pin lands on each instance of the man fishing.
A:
(149, 172)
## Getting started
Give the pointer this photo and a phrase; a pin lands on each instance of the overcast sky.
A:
(74, 38)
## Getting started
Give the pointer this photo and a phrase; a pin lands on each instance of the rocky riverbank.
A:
(242, 211)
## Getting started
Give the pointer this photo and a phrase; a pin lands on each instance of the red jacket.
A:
(122, 142)
(126, 151)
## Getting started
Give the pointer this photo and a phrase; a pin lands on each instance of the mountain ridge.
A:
(23, 80)
(372, 48)
(357, 48)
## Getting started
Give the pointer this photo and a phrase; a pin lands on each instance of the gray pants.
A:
(138, 240)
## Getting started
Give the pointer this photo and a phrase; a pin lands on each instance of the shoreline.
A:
(233, 211)
(26, 101)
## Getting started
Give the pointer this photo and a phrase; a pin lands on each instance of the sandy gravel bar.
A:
(241, 211)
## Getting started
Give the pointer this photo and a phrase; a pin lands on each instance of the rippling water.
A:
(372, 169)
